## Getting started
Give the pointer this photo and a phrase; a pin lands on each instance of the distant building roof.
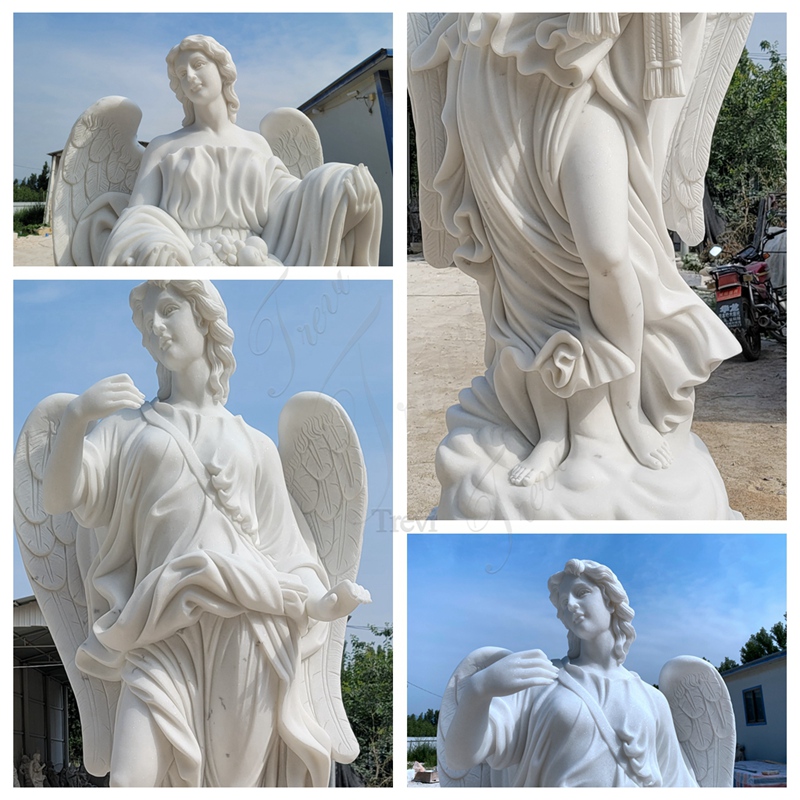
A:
(750, 664)
(367, 66)
(33, 643)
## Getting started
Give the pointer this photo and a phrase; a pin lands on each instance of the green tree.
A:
(43, 180)
(778, 631)
(367, 696)
(748, 151)
(24, 194)
(424, 725)
(32, 189)
(758, 645)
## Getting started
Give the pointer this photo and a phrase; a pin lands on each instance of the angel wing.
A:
(324, 470)
(427, 90)
(690, 146)
(98, 168)
(293, 139)
(703, 716)
(53, 549)
(482, 774)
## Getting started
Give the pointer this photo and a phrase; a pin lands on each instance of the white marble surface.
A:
(195, 577)
(210, 193)
(554, 152)
(520, 719)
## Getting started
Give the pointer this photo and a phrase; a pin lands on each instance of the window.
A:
(754, 706)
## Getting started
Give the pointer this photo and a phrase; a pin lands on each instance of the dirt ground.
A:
(34, 251)
(740, 412)
(741, 416)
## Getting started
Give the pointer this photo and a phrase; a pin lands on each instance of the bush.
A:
(28, 220)
(424, 753)
(367, 697)
(692, 262)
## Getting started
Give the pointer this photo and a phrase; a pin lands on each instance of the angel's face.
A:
(172, 334)
(582, 608)
(199, 76)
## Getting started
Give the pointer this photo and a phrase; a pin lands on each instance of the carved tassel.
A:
(663, 75)
(593, 27)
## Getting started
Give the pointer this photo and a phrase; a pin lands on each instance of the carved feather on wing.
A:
(101, 155)
(690, 146)
(427, 90)
(293, 139)
(49, 547)
(703, 717)
(325, 473)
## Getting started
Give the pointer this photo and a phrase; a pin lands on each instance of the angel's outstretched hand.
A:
(338, 602)
(106, 397)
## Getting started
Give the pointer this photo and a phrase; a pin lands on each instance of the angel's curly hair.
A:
(209, 310)
(616, 599)
(227, 71)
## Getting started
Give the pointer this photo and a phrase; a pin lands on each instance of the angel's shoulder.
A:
(163, 144)
(251, 140)
(261, 442)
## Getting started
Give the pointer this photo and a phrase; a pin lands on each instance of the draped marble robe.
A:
(195, 538)
(585, 729)
(237, 193)
(515, 85)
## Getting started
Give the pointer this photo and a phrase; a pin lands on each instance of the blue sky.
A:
(65, 62)
(69, 334)
(693, 594)
(770, 27)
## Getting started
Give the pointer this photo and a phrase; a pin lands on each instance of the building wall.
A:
(763, 741)
(352, 135)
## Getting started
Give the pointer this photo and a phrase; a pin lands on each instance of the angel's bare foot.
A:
(540, 464)
(649, 447)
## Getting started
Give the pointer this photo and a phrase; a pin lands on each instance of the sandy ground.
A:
(740, 413)
(33, 251)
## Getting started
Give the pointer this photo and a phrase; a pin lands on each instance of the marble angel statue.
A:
(519, 719)
(211, 192)
(555, 151)
(196, 579)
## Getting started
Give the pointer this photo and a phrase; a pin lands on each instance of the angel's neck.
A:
(598, 654)
(189, 388)
(212, 117)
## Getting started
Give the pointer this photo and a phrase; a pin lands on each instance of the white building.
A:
(758, 694)
(354, 119)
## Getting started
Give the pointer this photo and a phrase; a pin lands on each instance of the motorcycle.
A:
(747, 302)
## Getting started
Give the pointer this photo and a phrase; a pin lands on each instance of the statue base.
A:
(598, 480)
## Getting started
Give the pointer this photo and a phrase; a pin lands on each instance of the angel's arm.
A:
(469, 735)
(148, 187)
(63, 485)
